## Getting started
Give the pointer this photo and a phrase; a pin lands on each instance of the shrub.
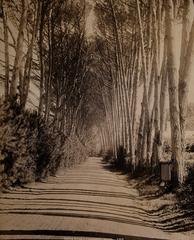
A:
(75, 152)
(121, 158)
(190, 147)
(29, 149)
(185, 194)
(108, 155)
(16, 144)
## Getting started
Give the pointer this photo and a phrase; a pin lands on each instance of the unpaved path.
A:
(86, 202)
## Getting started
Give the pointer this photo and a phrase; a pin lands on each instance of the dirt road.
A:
(86, 202)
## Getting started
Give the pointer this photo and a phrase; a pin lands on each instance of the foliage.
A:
(29, 150)
(107, 156)
(121, 158)
(75, 152)
(185, 194)
(120, 162)
(17, 143)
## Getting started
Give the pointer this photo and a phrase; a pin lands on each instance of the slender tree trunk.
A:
(19, 49)
(29, 58)
(48, 89)
(157, 137)
(6, 42)
(41, 58)
(163, 95)
(172, 67)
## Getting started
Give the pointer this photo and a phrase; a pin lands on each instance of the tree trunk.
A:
(163, 95)
(6, 42)
(41, 59)
(49, 76)
(19, 49)
(29, 57)
(172, 67)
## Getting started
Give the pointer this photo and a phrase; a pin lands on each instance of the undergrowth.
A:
(29, 149)
(185, 194)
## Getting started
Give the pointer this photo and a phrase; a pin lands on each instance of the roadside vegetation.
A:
(146, 53)
(120, 89)
(46, 107)
(30, 150)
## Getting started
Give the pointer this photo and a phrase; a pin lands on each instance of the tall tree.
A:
(19, 48)
(172, 66)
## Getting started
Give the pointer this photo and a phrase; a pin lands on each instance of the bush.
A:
(75, 152)
(190, 147)
(17, 141)
(29, 149)
(185, 194)
(121, 158)
(120, 162)
(108, 155)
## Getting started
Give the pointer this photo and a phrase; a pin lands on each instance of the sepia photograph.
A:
(97, 119)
